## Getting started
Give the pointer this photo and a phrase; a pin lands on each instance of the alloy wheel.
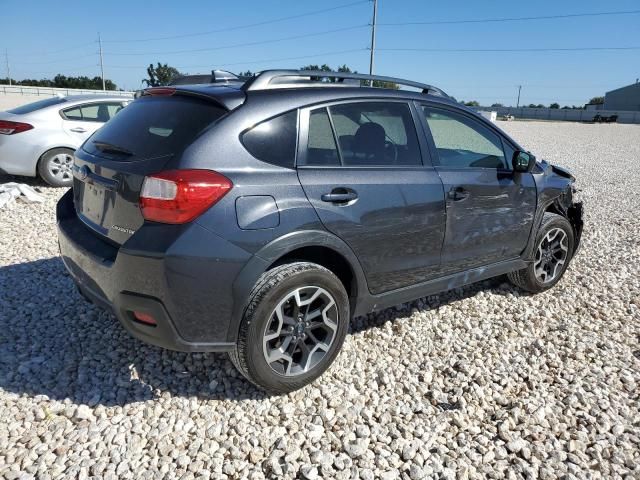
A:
(301, 330)
(551, 255)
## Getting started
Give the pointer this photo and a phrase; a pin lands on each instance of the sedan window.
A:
(93, 112)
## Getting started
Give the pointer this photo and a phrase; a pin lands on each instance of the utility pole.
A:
(373, 35)
(519, 88)
(101, 62)
(6, 56)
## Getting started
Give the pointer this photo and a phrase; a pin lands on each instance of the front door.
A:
(490, 208)
(361, 167)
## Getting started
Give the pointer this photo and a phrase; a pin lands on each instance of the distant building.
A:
(624, 98)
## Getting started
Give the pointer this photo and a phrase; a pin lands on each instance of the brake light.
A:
(11, 128)
(179, 196)
(160, 91)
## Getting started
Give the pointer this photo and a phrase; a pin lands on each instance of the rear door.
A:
(110, 167)
(490, 208)
(81, 121)
(360, 165)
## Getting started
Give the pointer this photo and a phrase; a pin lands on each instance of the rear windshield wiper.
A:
(110, 148)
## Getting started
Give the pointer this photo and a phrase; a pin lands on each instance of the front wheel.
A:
(554, 248)
(293, 327)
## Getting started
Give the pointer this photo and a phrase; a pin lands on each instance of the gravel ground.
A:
(483, 381)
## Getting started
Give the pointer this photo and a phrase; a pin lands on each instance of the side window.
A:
(321, 146)
(94, 112)
(72, 114)
(462, 142)
(376, 134)
(274, 141)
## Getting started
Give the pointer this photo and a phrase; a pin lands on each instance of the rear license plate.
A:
(94, 203)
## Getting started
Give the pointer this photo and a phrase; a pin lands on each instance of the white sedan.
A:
(40, 138)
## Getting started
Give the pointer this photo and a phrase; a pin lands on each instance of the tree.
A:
(345, 69)
(531, 105)
(472, 103)
(160, 75)
(497, 105)
(554, 105)
(596, 101)
(246, 74)
(62, 81)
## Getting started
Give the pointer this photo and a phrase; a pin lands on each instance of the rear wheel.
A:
(293, 328)
(553, 251)
(55, 167)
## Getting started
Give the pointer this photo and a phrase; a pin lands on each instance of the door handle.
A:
(78, 130)
(458, 193)
(339, 195)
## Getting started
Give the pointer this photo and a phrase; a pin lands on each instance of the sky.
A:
(42, 39)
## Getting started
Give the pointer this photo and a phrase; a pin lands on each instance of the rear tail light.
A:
(11, 128)
(179, 196)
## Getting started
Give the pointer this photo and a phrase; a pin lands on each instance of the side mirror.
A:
(523, 161)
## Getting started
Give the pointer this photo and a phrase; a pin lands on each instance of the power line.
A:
(510, 19)
(240, 27)
(55, 61)
(500, 50)
(237, 45)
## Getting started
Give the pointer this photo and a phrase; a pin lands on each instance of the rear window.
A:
(32, 107)
(155, 126)
(274, 141)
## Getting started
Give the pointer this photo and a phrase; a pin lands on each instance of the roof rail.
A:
(272, 79)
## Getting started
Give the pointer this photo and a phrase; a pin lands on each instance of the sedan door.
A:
(361, 167)
(490, 208)
(81, 121)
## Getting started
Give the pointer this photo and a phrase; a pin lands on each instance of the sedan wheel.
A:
(60, 167)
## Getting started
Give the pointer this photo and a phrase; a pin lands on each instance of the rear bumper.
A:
(170, 279)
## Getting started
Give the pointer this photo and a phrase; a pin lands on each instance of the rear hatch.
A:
(140, 140)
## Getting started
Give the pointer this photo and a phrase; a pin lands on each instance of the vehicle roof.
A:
(231, 95)
(96, 98)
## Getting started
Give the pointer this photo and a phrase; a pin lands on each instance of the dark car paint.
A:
(198, 277)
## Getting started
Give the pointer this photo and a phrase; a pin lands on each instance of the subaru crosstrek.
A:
(257, 218)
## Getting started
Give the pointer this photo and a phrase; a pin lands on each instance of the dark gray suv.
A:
(256, 218)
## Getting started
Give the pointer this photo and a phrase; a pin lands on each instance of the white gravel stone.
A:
(482, 381)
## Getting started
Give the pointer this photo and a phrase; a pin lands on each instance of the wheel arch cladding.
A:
(328, 258)
(314, 246)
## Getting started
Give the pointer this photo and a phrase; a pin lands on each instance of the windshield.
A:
(40, 104)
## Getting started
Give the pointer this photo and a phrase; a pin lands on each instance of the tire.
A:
(54, 167)
(527, 278)
(275, 290)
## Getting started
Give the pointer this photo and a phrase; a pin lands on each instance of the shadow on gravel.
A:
(34, 182)
(54, 343)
